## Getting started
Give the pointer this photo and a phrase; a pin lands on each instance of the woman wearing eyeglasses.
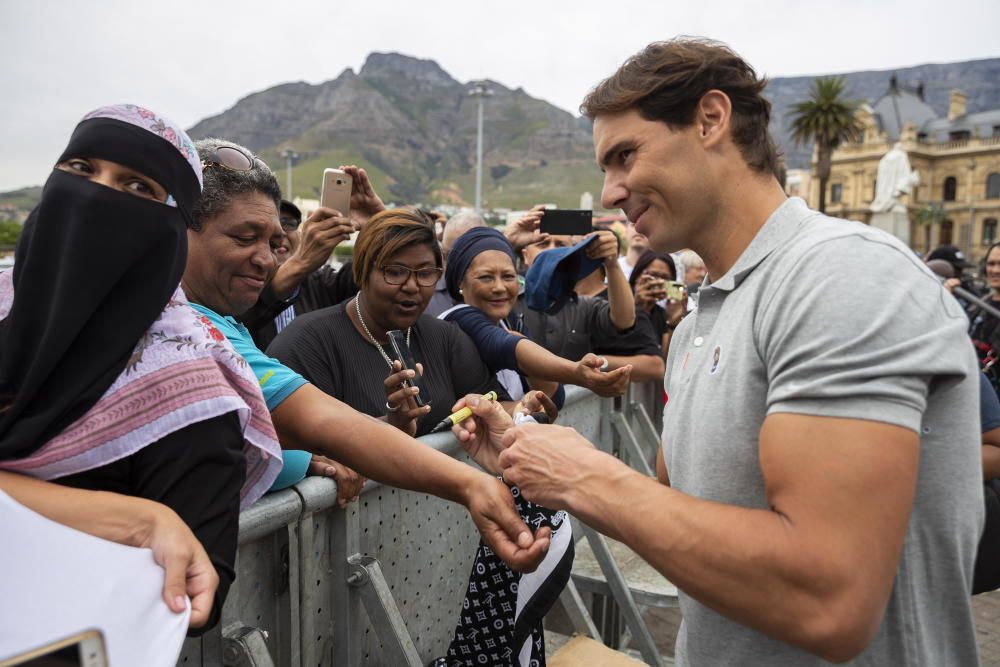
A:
(344, 350)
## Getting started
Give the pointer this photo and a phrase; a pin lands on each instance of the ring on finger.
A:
(390, 407)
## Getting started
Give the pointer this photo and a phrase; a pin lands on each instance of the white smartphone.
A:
(85, 649)
(336, 192)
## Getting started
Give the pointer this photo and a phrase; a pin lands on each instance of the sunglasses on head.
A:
(229, 157)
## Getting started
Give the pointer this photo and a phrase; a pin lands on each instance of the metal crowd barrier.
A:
(382, 581)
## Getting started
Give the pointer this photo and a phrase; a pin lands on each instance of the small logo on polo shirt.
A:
(716, 357)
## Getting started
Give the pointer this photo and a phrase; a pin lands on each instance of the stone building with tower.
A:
(957, 159)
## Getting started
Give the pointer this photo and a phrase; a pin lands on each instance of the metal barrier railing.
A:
(382, 581)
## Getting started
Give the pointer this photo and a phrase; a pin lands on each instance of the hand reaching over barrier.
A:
(588, 374)
(349, 483)
(491, 506)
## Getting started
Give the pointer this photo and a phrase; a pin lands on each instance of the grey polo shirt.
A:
(821, 316)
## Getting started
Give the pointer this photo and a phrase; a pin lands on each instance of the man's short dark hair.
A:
(222, 184)
(666, 80)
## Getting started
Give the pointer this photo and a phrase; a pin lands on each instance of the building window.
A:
(836, 193)
(989, 231)
(959, 135)
(993, 186)
(950, 186)
(947, 232)
(996, 130)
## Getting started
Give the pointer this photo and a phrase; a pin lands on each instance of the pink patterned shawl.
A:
(182, 371)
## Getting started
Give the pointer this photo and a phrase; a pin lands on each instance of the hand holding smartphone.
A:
(401, 353)
(336, 191)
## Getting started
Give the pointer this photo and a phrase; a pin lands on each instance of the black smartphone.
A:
(401, 353)
(567, 222)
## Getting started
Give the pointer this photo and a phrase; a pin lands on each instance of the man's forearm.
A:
(289, 275)
(620, 299)
(991, 462)
(311, 420)
(750, 565)
(645, 367)
(535, 361)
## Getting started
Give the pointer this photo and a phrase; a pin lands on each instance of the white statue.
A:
(895, 179)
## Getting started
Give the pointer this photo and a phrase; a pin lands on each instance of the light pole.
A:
(479, 91)
(289, 156)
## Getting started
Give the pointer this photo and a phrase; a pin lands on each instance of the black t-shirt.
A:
(328, 351)
(584, 325)
(196, 471)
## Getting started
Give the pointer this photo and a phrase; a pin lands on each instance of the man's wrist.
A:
(600, 471)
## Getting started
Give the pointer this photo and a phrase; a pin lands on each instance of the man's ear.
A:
(712, 117)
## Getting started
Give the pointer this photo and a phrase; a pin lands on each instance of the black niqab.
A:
(93, 270)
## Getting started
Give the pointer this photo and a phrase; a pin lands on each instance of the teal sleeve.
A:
(277, 381)
(296, 463)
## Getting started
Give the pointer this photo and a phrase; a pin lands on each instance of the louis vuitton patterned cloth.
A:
(500, 624)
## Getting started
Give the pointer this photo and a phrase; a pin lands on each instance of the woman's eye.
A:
(141, 187)
(79, 165)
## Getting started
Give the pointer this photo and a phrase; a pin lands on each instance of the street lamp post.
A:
(289, 156)
(479, 91)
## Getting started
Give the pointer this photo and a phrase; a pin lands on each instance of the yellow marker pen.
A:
(460, 416)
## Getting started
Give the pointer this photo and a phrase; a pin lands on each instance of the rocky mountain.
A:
(414, 127)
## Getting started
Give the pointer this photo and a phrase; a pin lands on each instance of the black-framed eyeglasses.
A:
(289, 223)
(397, 274)
(229, 157)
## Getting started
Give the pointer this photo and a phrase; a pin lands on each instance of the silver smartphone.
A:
(85, 649)
(336, 191)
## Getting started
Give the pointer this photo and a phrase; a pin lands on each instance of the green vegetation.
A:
(826, 118)
(523, 187)
(10, 231)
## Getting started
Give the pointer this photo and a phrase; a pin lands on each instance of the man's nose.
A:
(613, 193)
(263, 257)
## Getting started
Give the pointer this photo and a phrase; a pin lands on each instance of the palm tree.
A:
(827, 118)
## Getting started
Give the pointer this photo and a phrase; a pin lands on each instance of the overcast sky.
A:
(189, 60)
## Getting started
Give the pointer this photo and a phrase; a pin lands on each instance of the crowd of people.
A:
(820, 491)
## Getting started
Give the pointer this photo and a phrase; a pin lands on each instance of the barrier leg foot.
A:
(365, 574)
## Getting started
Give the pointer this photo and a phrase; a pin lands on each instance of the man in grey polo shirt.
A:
(819, 495)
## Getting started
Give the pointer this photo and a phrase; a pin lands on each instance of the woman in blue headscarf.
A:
(481, 277)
